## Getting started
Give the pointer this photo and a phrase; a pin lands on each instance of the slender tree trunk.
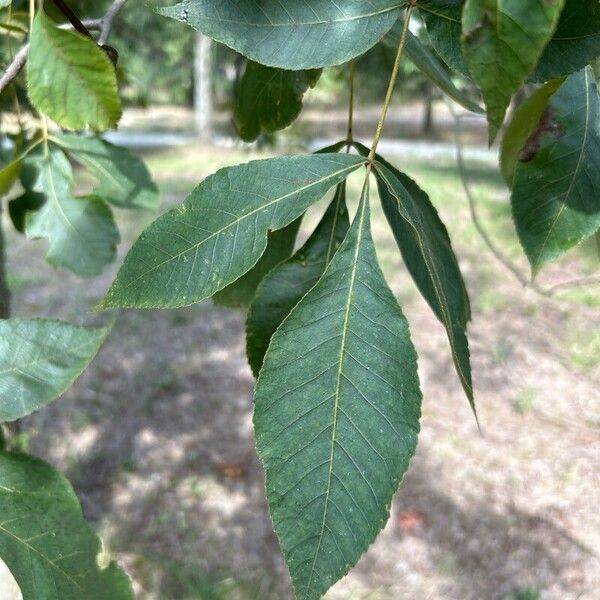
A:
(4, 291)
(427, 126)
(11, 430)
(203, 108)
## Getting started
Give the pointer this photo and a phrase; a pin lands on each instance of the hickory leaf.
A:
(45, 542)
(556, 192)
(289, 282)
(123, 179)
(39, 360)
(300, 34)
(280, 246)
(575, 43)
(336, 416)
(81, 232)
(428, 255)
(270, 99)
(70, 78)
(220, 231)
(523, 123)
(502, 42)
(430, 66)
(443, 22)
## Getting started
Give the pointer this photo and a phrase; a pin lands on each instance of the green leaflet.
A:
(556, 193)
(428, 255)
(44, 540)
(443, 21)
(9, 175)
(288, 283)
(70, 78)
(336, 415)
(280, 245)
(270, 99)
(502, 43)
(297, 34)
(81, 232)
(575, 43)
(525, 120)
(39, 360)
(430, 66)
(220, 231)
(123, 179)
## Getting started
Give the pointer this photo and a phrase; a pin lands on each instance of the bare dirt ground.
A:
(156, 436)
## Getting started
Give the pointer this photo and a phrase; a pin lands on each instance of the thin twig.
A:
(498, 254)
(349, 134)
(392, 83)
(108, 19)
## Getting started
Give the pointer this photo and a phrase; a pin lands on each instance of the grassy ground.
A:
(157, 439)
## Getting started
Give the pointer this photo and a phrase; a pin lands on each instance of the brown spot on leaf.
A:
(545, 125)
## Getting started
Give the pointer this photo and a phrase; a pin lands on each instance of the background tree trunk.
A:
(4, 291)
(428, 97)
(203, 108)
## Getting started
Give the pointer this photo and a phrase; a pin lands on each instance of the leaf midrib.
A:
(194, 247)
(306, 23)
(338, 384)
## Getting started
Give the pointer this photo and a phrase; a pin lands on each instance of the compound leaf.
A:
(123, 179)
(289, 282)
(575, 43)
(297, 34)
(220, 231)
(70, 78)
(336, 416)
(556, 188)
(270, 99)
(280, 245)
(44, 540)
(502, 43)
(39, 360)
(81, 232)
